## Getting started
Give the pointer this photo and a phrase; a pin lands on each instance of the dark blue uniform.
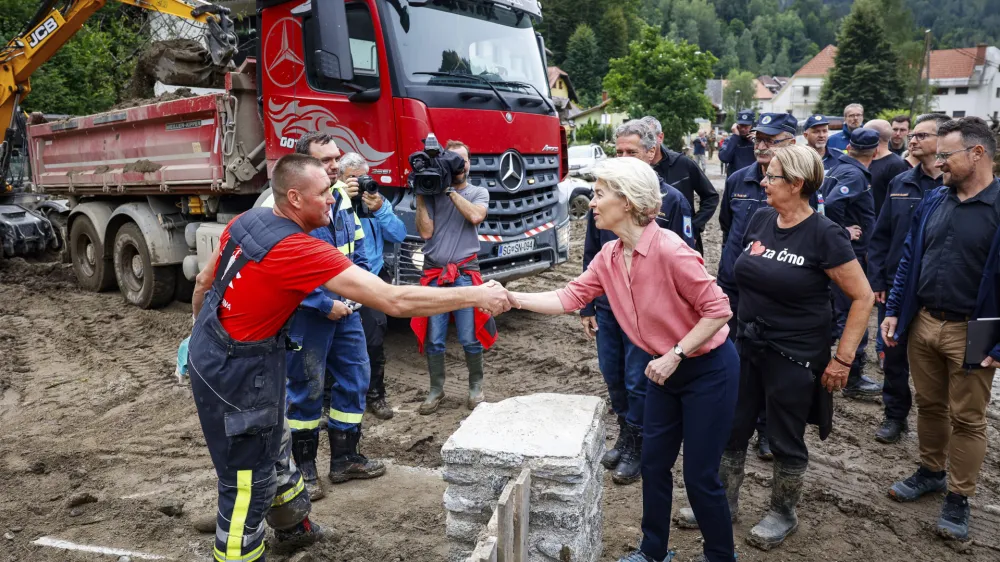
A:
(737, 153)
(831, 158)
(623, 363)
(740, 200)
(905, 192)
(839, 140)
(239, 392)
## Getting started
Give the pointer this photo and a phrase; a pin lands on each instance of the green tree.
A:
(665, 79)
(584, 63)
(746, 51)
(782, 62)
(767, 66)
(866, 69)
(738, 94)
(696, 21)
(728, 59)
(612, 33)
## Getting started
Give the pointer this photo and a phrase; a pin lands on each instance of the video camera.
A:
(434, 168)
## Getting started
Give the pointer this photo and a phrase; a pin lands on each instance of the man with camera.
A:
(448, 222)
(380, 225)
(332, 346)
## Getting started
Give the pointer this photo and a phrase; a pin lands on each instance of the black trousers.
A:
(786, 389)
(375, 325)
(896, 386)
(734, 305)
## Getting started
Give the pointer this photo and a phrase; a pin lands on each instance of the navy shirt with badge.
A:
(782, 280)
(848, 199)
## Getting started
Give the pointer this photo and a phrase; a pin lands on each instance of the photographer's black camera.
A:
(434, 168)
(367, 184)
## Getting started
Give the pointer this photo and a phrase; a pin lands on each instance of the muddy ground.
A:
(91, 412)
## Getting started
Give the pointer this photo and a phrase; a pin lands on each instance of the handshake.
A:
(495, 299)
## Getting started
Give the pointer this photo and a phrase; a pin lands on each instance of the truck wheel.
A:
(93, 270)
(140, 282)
(578, 207)
(58, 222)
(185, 287)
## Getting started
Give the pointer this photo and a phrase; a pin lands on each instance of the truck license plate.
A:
(519, 247)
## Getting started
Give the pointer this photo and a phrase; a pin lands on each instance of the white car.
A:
(583, 158)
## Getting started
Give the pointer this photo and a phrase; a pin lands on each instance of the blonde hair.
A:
(801, 163)
(636, 182)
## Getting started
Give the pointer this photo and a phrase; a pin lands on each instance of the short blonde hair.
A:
(801, 163)
(636, 182)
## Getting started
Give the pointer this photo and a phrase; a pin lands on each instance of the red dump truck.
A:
(148, 189)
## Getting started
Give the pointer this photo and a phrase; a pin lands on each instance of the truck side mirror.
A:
(332, 55)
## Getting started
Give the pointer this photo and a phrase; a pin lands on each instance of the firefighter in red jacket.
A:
(448, 222)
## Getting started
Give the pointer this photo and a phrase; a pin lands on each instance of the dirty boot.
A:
(731, 474)
(346, 462)
(954, 521)
(380, 408)
(629, 469)
(435, 366)
(764, 448)
(474, 361)
(781, 521)
(614, 454)
(861, 387)
(304, 447)
(302, 535)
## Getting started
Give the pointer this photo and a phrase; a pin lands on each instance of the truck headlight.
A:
(562, 236)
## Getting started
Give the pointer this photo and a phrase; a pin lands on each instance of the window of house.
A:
(364, 52)
(958, 114)
(940, 91)
(959, 91)
(805, 90)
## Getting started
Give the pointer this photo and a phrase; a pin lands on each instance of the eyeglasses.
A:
(919, 136)
(769, 143)
(943, 156)
(771, 177)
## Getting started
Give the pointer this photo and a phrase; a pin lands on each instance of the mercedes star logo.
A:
(511, 171)
(285, 66)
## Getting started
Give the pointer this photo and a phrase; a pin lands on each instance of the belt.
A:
(947, 316)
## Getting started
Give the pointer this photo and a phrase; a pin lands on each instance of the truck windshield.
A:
(465, 37)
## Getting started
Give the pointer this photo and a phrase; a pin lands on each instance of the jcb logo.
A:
(42, 31)
(287, 142)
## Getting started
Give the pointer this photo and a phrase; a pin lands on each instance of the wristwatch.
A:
(679, 351)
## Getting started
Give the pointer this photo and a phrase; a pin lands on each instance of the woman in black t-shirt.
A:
(790, 255)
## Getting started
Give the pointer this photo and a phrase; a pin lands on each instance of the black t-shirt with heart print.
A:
(782, 280)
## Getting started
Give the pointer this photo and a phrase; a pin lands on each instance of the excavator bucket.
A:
(220, 37)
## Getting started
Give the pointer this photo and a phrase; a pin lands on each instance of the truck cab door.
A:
(304, 92)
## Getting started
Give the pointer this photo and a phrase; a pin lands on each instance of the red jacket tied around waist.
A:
(486, 327)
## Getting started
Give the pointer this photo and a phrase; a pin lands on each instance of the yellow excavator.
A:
(53, 24)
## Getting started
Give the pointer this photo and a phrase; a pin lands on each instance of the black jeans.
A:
(695, 405)
(786, 388)
(896, 386)
(375, 325)
(734, 305)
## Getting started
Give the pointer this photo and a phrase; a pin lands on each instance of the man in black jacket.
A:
(685, 175)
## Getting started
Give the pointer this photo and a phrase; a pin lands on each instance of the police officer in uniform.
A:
(816, 133)
(264, 266)
(849, 203)
(738, 151)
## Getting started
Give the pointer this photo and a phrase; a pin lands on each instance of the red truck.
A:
(148, 189)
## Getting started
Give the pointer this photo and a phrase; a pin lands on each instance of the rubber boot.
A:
(346, 462)
(614, 454)
(302, 535)
(435, 366)
(731, 474)
(304, 447)
(474, 361)
(781, 521)
(629, 469)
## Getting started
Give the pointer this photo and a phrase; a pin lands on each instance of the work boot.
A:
(731, 474)
(435, 366)
(922, 482)
(781, 521)
(629, 469)
(614, 454)
(304, 447)
(861, 387)
(302, 535)
(764, 448)
(954, 521)
(640, 556)
(346, 462)
(891, 431)
(474, 361)
(380, 408)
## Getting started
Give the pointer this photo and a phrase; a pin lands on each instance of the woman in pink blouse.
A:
(668, 305)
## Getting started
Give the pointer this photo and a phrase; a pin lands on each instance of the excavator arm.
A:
(50, 29)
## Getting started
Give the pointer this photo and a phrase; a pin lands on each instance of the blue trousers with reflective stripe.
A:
(334, 350)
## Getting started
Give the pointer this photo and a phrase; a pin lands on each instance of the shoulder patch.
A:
(688, 228)
(845, 190)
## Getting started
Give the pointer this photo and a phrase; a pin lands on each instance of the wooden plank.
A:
(505, 524)
(486, 551)
(522, 511)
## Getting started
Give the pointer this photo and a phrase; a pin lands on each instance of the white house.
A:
(964, 82)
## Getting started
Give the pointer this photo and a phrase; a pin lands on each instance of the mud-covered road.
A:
(100, 445)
